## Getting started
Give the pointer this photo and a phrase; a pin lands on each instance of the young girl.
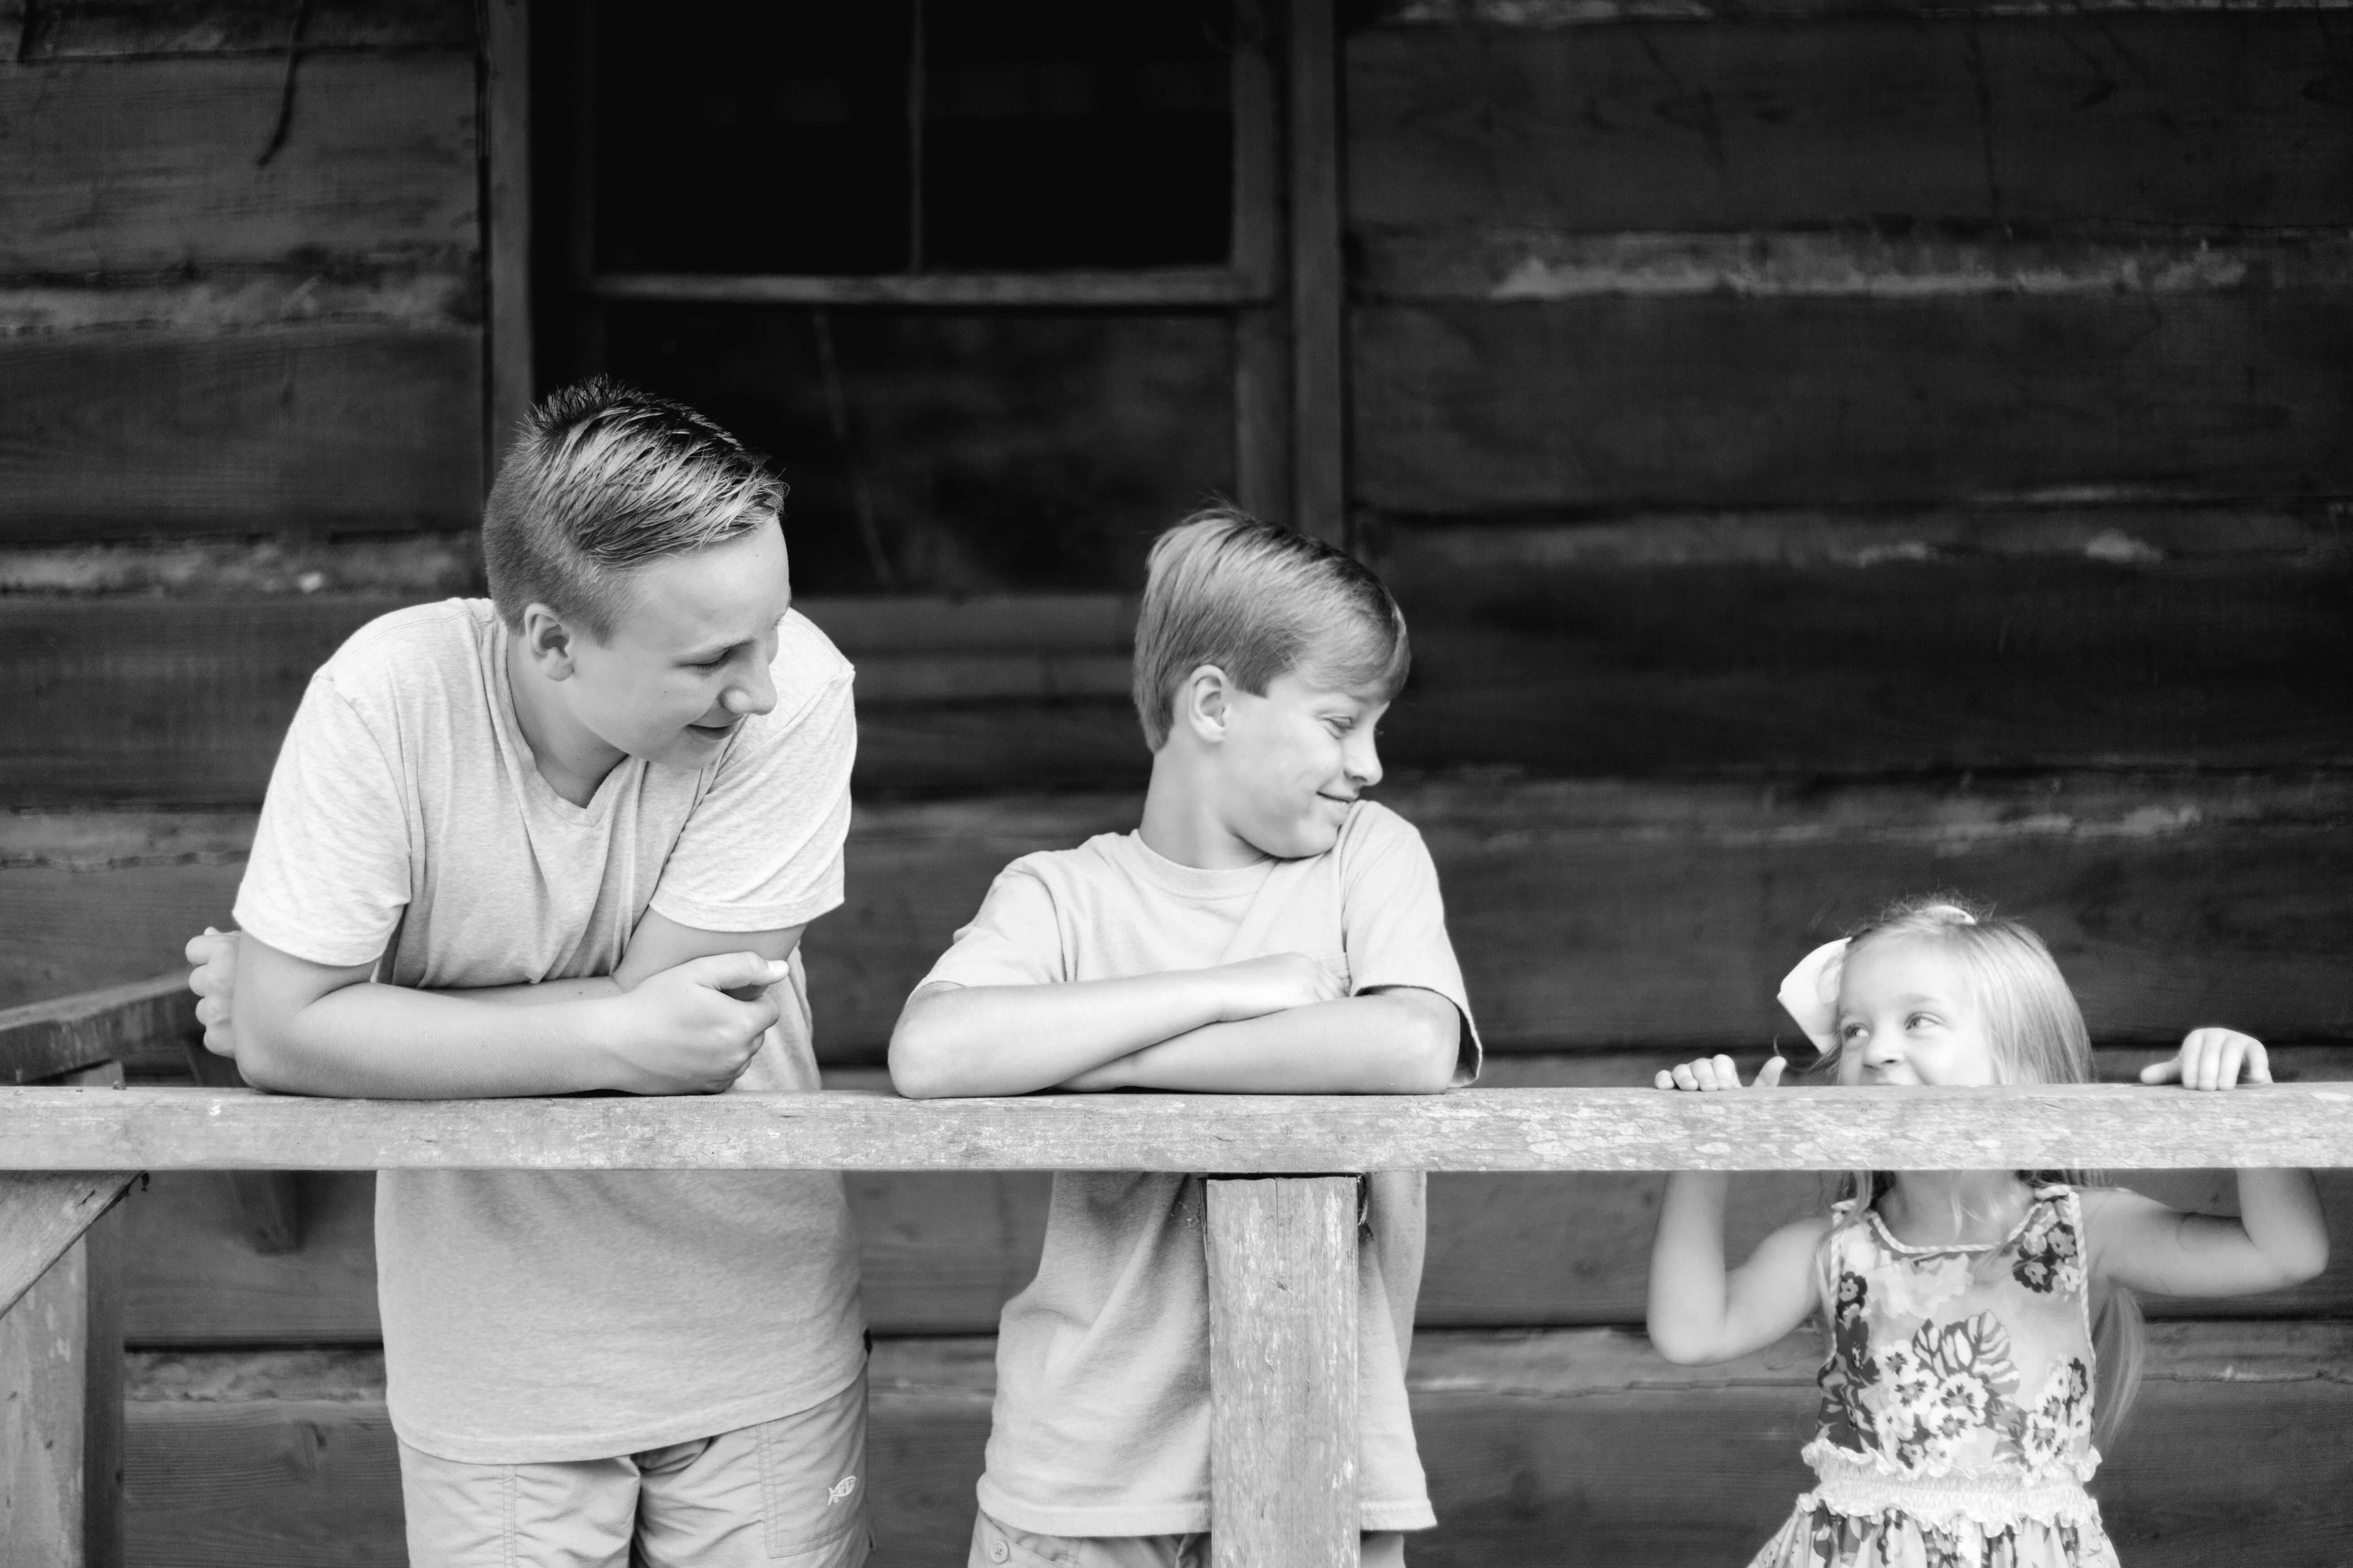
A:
(1957, 1409)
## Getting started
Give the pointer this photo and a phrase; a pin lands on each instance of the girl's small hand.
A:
(2212, 1058)
(1717, 1072)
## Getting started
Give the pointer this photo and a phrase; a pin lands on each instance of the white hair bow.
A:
(1810, 993)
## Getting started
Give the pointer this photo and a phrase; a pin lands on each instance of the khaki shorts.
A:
(790, 1492)
(999, 1545)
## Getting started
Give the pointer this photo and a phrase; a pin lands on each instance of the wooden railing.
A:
(1282, 1207)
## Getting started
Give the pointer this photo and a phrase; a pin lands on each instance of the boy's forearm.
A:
(388, 1042)
(1389, 1043)
(1015, 1039)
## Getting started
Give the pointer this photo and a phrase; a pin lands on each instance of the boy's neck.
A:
(1181, 822)
(573, 759)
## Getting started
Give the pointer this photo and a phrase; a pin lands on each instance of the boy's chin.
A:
(1298, 841)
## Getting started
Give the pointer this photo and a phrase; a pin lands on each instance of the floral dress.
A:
(1957, 1403)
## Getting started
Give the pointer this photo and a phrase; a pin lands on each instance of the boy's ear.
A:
(547, 641)
(1201, 704)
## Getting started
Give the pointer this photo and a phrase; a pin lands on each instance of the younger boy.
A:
(1265, 929)
(567, 839)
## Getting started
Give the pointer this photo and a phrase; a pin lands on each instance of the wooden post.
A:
(506, 221)
(1282, 1371)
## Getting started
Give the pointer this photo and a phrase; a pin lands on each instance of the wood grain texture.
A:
(1531, 1440)
(2060, 121)
(44, 1342)
(1504, 264)
(151, 165)
(2106, 1126)
(42, 1040)
(1628, 403)
(196, 1279)
(42, 1214)
(112, 29)
(1283, 1372)
(314, 428)
(1587, 914)
(268, 1203)
(1584, 13)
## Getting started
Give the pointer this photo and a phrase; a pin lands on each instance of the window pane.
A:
(1002, 452)
(751, 138)
(1077, 133)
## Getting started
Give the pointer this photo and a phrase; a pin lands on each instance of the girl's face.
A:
(1906, 1015)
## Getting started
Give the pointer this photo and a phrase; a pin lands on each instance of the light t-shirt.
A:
(553, 1316)
(1101, 1424)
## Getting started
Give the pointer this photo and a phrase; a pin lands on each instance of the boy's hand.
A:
(2212, 1058)
(1718, 1072)
(213, 980)
(1256, 987)
(682, 1032)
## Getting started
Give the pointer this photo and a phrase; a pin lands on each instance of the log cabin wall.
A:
(1825, 451)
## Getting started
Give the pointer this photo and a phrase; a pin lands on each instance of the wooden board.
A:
(42, 1040)
(356, 428)
(1625, 402)
(106, 29)
(2064, 120)
(152, 166)
(2170, 900)
(43, 1344)
(2114, 1127)
(1530, 1441)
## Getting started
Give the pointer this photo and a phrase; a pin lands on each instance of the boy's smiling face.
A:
(1294, 761)
(687, 658)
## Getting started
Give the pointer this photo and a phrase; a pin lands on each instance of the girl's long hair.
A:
(2038, 1036)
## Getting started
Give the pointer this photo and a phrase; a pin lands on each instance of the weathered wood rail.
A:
(1282, 1328)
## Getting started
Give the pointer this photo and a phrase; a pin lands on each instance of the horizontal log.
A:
(2057, 121)
(147, 165)
(1553, 892)
(2108, 1126)
(1501, 266)
(1159, 288)
(240, 299)
(112, 29)
(1530, 1440)
(42, 1040)
(399, 567)
(1586, 13)
(364, 429)
(1615, 403)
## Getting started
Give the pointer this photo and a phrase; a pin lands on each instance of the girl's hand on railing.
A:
(2212, 1058)
(1718, 1072)
(213, 980)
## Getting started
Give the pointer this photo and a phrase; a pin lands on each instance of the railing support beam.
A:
(1282, 1371)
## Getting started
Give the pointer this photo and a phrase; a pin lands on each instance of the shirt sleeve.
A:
(329, 876)
(1395, 923)
(1015, 939)
(762, 849)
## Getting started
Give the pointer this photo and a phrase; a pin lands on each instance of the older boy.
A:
(565, 840)
(1265, 929)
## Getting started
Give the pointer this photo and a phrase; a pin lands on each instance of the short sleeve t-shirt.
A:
(1101, 1424)
(552, 1316)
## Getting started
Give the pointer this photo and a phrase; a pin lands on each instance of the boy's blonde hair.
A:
(1259, 602)
(602, 480)
(2038, 1036)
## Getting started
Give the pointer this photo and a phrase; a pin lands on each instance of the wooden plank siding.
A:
(1588, 915)
(1531, 1441)
(2221, 119)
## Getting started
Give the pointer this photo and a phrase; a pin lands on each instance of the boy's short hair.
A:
(1259, 602)
(602, 480)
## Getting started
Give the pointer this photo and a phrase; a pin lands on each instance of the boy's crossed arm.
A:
(664, 1022)
(1278, 1025)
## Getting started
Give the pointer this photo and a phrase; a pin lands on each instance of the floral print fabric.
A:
(1955, 1402)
